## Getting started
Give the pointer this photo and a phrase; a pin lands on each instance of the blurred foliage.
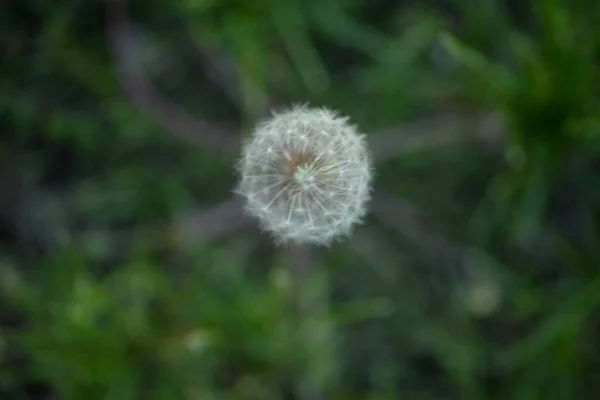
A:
(480, 281)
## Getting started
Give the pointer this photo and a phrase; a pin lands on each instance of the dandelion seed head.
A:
(306, 175)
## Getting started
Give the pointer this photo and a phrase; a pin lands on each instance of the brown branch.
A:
(143, 94)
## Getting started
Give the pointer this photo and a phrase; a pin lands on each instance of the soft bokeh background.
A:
(128, 271)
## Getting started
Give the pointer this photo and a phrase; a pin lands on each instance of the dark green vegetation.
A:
(128, 272)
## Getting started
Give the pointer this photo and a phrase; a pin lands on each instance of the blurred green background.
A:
(128, 271)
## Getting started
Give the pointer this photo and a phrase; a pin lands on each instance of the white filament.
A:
(321, 198)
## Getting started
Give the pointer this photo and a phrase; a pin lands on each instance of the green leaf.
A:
(496, 78)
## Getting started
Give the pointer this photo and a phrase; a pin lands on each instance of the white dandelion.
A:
(306, 175)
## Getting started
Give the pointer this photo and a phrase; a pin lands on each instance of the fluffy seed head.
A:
(306, 175)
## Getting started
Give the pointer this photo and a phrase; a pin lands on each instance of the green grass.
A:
(476, 275)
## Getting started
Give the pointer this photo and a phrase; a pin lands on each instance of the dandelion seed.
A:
(306, 175)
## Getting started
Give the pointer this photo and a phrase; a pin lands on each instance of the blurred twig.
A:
(188, 228)
(195, 226)
(222, 70)
(378, 250)
(219, 66)
(141, 91)
(311, 304)
(301, 260)
(435, 132)
(403, 217)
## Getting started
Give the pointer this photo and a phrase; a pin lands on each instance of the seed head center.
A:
(304, 174)
(303, 169)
